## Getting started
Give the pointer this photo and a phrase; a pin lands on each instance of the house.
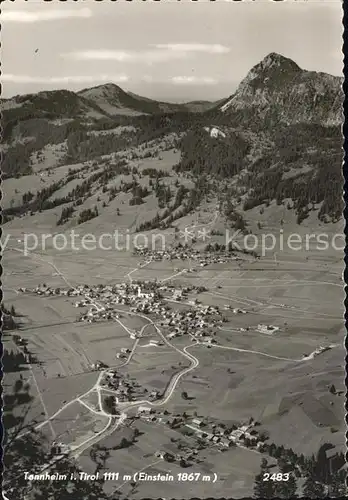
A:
(219, 430)
(236, 434)
(197, 422)
(225, 442)
(177, 295)
(145, 410)
(250, 436)
(173, 422)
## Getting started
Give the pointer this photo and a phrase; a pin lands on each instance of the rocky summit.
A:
(277, 89)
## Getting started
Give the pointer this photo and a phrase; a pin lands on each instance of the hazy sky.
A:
(166, 50)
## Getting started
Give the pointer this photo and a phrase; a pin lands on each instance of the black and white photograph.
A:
(173, 250)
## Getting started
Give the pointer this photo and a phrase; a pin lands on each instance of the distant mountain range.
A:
(276, 89)
(103, 101)
(281, 127)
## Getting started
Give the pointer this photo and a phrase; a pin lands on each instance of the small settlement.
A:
(185, 253)
(147, 298)
(200, 433)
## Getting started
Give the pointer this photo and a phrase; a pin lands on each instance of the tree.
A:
(286, 489)
(332, 388)
(262, 488)
(264, 435)
(338, 487)
(184, 395)
(264, 464)
(313, 489)
(124, 443)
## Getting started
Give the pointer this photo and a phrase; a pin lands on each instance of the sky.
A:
(168, 50)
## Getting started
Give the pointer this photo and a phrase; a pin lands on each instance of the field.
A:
(247, 374)
(234, 468)
(274, 377)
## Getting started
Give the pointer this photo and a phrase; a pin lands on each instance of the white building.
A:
(144, 409)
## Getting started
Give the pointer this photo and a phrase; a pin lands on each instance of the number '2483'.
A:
(280, 476)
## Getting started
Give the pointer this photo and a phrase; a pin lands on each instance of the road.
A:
(194, 362)
(112, 422)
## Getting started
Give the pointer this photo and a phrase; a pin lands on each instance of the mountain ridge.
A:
(277, 89)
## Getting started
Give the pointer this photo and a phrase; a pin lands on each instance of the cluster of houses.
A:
(146, 297)
(207, 432)
(126, 389)
(198, 321)
(183, 253)
(222, 436)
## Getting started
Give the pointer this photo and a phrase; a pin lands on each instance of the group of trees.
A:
(265, 487)
(88, 214)
(12, 361)
(12, 311)
(185, 201)
(319, 150)
(218, 157)
(39, 202)
(138, 192)
(83, 145)
(29, 122)
(27, 450)
(67, 212)
(43, 199)
(109, 404)
(163, 194)
(153, 173)
(8, 315)
(324, 476)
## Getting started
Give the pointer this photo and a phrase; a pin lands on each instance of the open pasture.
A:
(312, 291)
(56, 392)
(13, 189)
(76, 423)
(234, 468)
(28, 271)
(284, 344)
(236, 385)
(154, 369)
(77, 346)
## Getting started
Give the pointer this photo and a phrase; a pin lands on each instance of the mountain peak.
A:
(277, 87)
(277, 60)
(104, 88)
(273, 65)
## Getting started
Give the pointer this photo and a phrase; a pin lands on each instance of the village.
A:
(200, 433)
(194, 433)
(184, 253)
(123, 387)
(146, 298)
